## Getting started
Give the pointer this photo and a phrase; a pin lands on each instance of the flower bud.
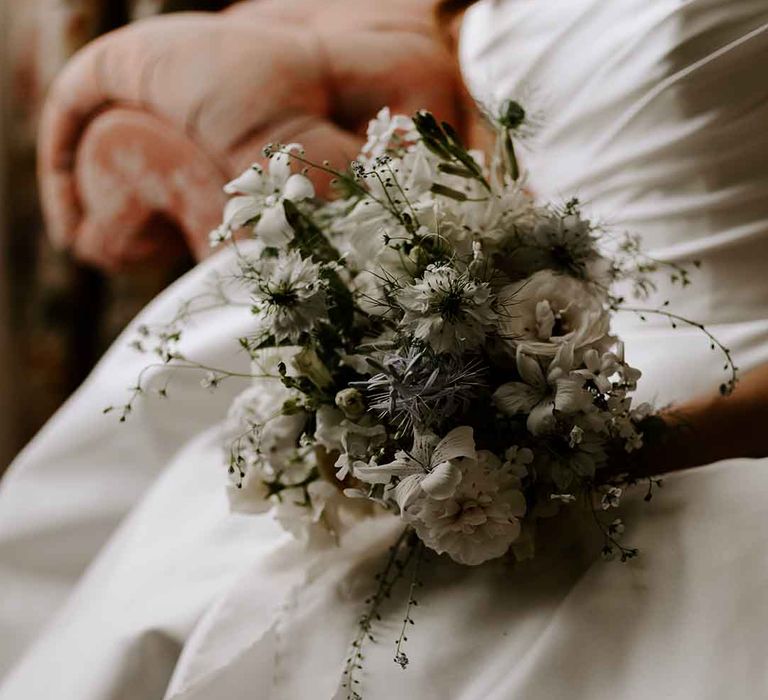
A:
(351, 403)
(309, 365)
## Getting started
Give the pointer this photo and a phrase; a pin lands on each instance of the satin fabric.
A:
(653, 114)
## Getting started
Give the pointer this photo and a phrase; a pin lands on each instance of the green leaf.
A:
(446, 191)
(308, 238)
(458, 170)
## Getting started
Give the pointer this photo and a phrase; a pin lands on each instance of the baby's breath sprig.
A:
(212, 378)
(631, 262)
(611, 532)
(400, 556)
(401, 658)
(727, 387)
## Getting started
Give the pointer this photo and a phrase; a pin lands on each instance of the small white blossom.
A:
(576, 436)
(259, 195)
(388, 134)
(542, 396)
(611, 497)
(359, 442)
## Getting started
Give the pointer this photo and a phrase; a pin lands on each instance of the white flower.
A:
(320, 514)
(447, 309)
(478, 521)
(565, 242)
(611, 497)
(496, 219)
(516, 460)
(359, 441)
(546, 310)
(388, 134)
(576, 436)
(542, 396)
(259, 194)
(288, 298)
(431, 467)
(599, 369)
(266, 438)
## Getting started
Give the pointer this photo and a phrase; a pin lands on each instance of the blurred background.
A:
(56, 316)
(134, 135)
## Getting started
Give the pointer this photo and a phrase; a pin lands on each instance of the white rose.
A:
(546, 310)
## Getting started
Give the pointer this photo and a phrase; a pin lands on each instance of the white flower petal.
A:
(383, 473)
(407, 491)
(515, 397)
(458, 443)
(273, 228)
(249, 182)
(530, 370)
(239, 210)
(298, 187)
(442, 481)
(280, 164)
(570, 396)
(541, 418)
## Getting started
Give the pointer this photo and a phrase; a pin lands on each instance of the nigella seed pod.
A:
(512, 115)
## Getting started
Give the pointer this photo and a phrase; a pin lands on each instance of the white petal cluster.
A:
(460, 501)
(289, 298)
(258, 199)
(448, 310)
(479, 520)
(548, 309)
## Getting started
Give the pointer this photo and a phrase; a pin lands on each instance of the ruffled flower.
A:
(479, 520)
(547, 310)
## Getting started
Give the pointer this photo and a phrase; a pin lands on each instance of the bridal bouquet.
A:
(433, 342)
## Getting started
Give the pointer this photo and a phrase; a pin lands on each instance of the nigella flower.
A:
(288, 297)
(259, 195)
(448, 310)
(419, 389)
(562, 241)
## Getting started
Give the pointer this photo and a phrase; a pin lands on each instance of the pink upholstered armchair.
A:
(146, 124)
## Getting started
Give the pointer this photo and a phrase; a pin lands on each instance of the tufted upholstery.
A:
(146, 124)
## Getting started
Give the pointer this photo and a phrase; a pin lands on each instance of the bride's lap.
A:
(246, 604)
(121, 631)
(683, 620)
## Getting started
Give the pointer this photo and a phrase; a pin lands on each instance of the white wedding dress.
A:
(654, 114)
